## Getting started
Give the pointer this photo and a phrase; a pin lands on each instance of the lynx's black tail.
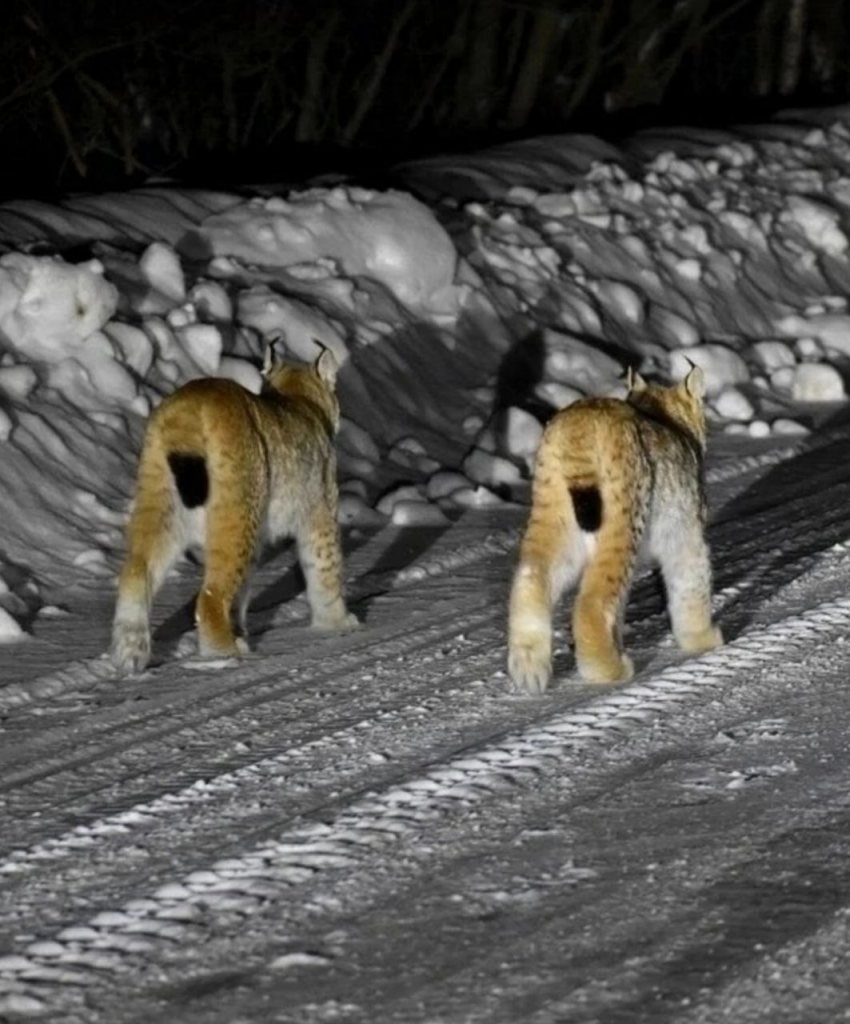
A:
(587, 502)
(191, 478)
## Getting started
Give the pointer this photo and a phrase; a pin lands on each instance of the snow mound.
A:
(389, 237)
(48, 308)
(568, 259)
(817, 382)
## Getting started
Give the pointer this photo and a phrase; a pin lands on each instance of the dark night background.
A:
(105, 93)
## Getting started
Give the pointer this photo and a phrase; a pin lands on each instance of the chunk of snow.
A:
(690, 269)
(211, 301)
(204, 344)
(817, 382)
(388, 236)
(289, 960)
(673, 328)
(242, 372)
(555, 204)
(818, 223)
(134, 347)
(733, 404)
(723, 366)
(444, 483)
(10, 630)
(48, 307)
(788, 426)
(160, 266)
(556, 394)
(172, 891)
(758, 428)
(831, 329)
(353, 511)
(354, 486)
(17, 381)
(407, 492)
(494, 471)
(771, 355)
(809, 349)
(353, 438)
(621, 299)
(574, 362)
(521, 432)
(475, 497)
(417, 513)
(47, 948)
(410, 453)
(21, 1004)
(180, 316)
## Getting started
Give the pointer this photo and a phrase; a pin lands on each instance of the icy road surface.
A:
(370, 828)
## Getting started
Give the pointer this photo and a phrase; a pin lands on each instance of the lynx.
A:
(223, 471)
(614, 479)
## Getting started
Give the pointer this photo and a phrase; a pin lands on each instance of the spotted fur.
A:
(614, 479)
(224, 471)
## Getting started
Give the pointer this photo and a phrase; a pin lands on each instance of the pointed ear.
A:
(326, 366)
(269, 354)
(695, 382)
(634, 381)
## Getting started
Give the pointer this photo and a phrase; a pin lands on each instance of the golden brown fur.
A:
(223, 471)
(614, 479)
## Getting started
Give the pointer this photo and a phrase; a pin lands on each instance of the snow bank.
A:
(568, 261)
(389, 237)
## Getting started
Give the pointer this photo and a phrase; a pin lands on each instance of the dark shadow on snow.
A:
(520, 372)
(788, 521)
(782, 893)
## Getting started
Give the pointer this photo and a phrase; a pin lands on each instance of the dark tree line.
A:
(107, 91)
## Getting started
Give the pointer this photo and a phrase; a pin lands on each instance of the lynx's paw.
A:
(131, 647)
(616, 669)
(234, 648)
(699, 641)
(343, 623)
(530, 667)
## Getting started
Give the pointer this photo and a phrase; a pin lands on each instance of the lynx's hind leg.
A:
(600, 605)
(551, 557)
(240, 614)
(320, 555)
(154, 541)
(233, 526)
(686, 567)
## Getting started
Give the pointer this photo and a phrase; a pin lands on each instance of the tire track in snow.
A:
(193, 764)
(788, 535)
(141, 785)
(110, 943)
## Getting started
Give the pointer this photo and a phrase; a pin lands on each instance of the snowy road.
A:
(371, 828)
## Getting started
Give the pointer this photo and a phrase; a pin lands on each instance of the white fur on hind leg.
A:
(131, 647)
(530, 652)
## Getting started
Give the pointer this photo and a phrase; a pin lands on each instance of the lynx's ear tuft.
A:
(326, 365)
(634, 381)
(269, 354)
(695, 382)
